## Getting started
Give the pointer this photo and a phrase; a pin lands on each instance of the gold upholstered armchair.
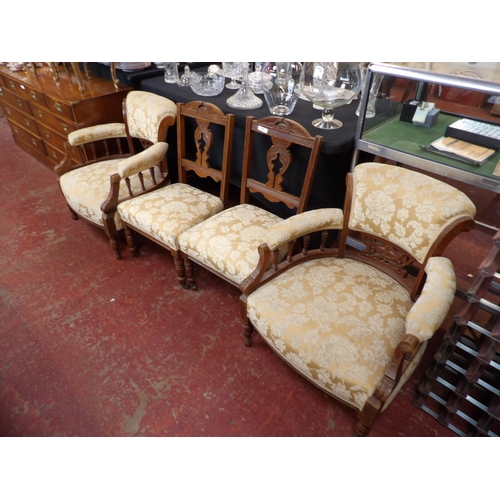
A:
(354, 318)
(226, 244)
(86, 185)
(204, 149)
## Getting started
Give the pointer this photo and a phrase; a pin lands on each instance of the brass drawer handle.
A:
(34, 142)
(20, 103)
(47, 134)
(40, 114)
(65, 127)
(34, 96)
(13, 85)
(58, 107)
(8, 111)
(27, 122)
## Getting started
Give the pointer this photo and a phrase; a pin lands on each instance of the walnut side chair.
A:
(227, 243)
(354, 319)
(164, 214)
(86, 185)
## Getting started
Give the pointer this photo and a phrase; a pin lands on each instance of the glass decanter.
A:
(244, 98)
(329, 85)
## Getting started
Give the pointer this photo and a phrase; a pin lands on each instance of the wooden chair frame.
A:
(377, 252)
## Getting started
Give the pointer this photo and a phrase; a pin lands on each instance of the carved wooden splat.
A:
(278, 152)
(203, 139)
(388, 254)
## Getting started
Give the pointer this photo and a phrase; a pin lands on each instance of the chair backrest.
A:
(286, 137)
(402, 218)
(205, 125)
(147, 117)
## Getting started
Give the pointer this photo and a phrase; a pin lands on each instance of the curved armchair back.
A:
(407, 208)
(148, 116)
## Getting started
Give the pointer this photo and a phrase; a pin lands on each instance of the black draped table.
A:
(336, 154)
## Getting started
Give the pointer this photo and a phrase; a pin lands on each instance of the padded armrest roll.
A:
(143, 160)
(430, 309)
(96, 133)
(322, 219)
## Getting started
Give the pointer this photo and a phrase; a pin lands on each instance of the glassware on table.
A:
(233, 70)
(184, 78)
(206, 84)
(282, 86)
(329, 85)
(244, 98)
(372, 98)
(171, 73)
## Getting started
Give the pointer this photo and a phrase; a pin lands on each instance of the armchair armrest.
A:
(143, 160)
(96, 133)
(284, 232)
(322, 219)
(433, 304)
(86, 135)
(127, 168)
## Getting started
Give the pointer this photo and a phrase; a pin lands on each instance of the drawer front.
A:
(24, 91)
(27, 122)
(51, 137)
(54, 153)
(32, 140)
(46, 117)
(60, 108)
(17, 102)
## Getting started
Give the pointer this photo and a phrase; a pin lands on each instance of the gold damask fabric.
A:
(96, 133)
(408, 208)
(85, 189)
(145, 110)
(338, 321)
(167, 212)
(436, 298)
(143, 160)
(296, 226)
(228, 242)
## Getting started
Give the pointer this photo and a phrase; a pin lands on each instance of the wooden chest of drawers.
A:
(41, 114)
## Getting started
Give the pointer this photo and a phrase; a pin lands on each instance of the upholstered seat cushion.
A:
(167, 212)
(228, 242)
(336, 321)
(86, 188)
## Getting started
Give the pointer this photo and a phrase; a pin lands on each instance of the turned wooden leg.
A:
(179, 269)
(116, 249)
(361, 430)
(129, 237)
(248, 330)
(367, 415)
(189, 270)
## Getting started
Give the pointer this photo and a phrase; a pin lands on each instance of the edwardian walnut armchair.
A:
(355, 319)
(226, 244)
(86, 186)
(165, 213)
